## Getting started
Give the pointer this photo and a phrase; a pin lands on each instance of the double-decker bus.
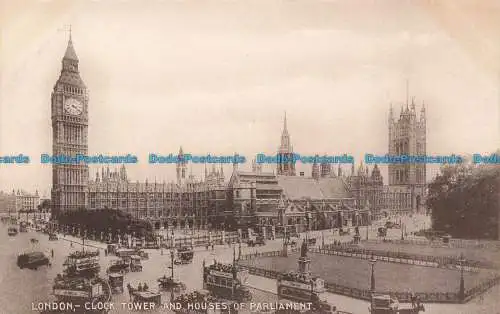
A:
(226, 281)
(305, 289)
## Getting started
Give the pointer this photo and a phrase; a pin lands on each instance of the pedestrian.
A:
(52, 253)
(213, 246)
(71, 244)
(145, 287)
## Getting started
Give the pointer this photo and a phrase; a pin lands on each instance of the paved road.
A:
(191, 274)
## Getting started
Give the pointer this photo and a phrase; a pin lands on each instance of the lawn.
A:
(355, 273)
(488, 256)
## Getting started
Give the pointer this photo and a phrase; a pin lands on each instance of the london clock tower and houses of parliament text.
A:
(69, 135)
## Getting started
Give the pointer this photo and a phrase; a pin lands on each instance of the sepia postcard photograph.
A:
(250, 156)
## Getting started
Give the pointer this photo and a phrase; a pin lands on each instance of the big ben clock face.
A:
(73, 106)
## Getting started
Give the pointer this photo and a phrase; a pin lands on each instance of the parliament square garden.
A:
(389, 277)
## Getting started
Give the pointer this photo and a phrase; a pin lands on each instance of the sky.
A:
(217, 76)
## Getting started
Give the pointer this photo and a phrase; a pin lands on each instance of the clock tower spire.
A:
(69, 104)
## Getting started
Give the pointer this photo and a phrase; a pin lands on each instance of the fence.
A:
(449, 262)
(481, 288)
(204, 240)
(217, 238)
(365, 294)
(453, 243)
(250, 256)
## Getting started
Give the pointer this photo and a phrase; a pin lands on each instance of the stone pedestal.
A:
(264, 232)
(285, 250)
(357, 238)
(304, 265)
(223, 237)
(274, 232)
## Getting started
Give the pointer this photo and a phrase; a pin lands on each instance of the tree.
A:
(464, 200)
(106, 220)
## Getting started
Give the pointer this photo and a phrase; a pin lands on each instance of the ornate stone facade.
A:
(408, 136)
(188, 203)
(69, 107)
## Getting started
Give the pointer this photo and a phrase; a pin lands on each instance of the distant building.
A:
(19, 201)
(188, 202)
(408, 136)
(286, 164)
(5, 202)
(264, 200)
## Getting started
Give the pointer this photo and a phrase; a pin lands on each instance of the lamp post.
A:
(372, 281)
(461, 292)
(172, 273)
(172, 239)
(239, 250)
(402, 230)
(366, 231)
(172, 256)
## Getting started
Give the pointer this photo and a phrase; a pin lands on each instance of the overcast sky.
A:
(216, 77)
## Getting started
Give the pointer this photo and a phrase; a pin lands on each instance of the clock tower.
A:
(69, 107)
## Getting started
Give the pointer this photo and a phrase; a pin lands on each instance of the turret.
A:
(315, 170)
(235, 164)
(325, 169)
(180, 166)
(123, 173)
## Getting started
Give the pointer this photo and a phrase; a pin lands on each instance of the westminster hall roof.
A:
(310, 188)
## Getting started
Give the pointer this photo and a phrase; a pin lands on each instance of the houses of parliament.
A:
(327, 198)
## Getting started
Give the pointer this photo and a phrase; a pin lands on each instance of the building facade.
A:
(185, 203)
(69, 107)
(19, 201)
(285, 162)
(249, 199)
(408, 136)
